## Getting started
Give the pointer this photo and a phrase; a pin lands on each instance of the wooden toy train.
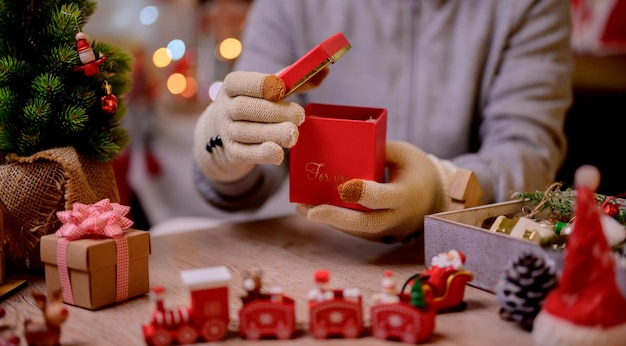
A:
(408, 315)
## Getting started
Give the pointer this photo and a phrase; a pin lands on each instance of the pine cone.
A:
(523, 288)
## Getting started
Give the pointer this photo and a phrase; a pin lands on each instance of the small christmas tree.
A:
(58, 89)
(418, 298)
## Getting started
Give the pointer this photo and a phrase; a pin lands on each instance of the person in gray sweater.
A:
(479, 85)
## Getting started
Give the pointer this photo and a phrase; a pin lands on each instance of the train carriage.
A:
(340, 316)
(402, 321)
(268, 318)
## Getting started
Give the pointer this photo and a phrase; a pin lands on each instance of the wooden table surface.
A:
(288, 250)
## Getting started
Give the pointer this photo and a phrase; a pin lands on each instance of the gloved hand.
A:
(247, 124)
(418, 185)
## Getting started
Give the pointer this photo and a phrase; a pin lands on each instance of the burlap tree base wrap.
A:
(34, 188)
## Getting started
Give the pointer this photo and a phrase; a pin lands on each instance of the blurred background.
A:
(182, 51)
(184, 48)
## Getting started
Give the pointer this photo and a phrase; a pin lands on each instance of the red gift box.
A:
(336, 144)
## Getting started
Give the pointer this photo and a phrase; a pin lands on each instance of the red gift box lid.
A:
(314, 61)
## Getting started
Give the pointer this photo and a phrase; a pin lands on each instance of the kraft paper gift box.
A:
(92, 268)
(336, 143)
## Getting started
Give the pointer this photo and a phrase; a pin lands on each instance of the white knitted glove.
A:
(247, 124)
(418, 185)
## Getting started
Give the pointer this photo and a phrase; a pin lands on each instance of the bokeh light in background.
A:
(176, 83)
(148, 15)
(169, 31)
(161, 57)
(213, 90)
(191, 87)
(176, 49)
(229, 48)
(168, 94)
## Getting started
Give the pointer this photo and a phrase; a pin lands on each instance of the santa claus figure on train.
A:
(388, 293)
(321, 292)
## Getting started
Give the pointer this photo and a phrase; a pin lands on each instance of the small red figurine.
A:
(388, 293)
(252, 282)
(90, 65)
(322, 290)
(47, 333)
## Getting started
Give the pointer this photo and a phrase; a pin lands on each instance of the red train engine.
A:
(208, 317)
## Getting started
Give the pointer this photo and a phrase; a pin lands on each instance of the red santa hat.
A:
(81, 42)
(388, 281)
(322, 276)
(157, 293)
(587, 307)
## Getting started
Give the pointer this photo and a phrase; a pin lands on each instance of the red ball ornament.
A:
(609, 208)
(108, 102)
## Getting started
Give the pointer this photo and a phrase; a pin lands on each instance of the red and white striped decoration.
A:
(169, 318)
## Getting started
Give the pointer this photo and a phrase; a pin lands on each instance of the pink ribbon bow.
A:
(104, 219)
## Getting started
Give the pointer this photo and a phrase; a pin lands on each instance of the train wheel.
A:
(161, 337)
(409, 339)
(319, 332)
(409, 335)
(187, 335)
(213, 330)
(253, 333)
(282, 331)
(351, 330)
(380, 332)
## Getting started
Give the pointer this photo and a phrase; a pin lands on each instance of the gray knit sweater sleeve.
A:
(247, 194)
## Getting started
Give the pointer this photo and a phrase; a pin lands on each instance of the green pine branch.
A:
(560, 204)
(44, 102)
